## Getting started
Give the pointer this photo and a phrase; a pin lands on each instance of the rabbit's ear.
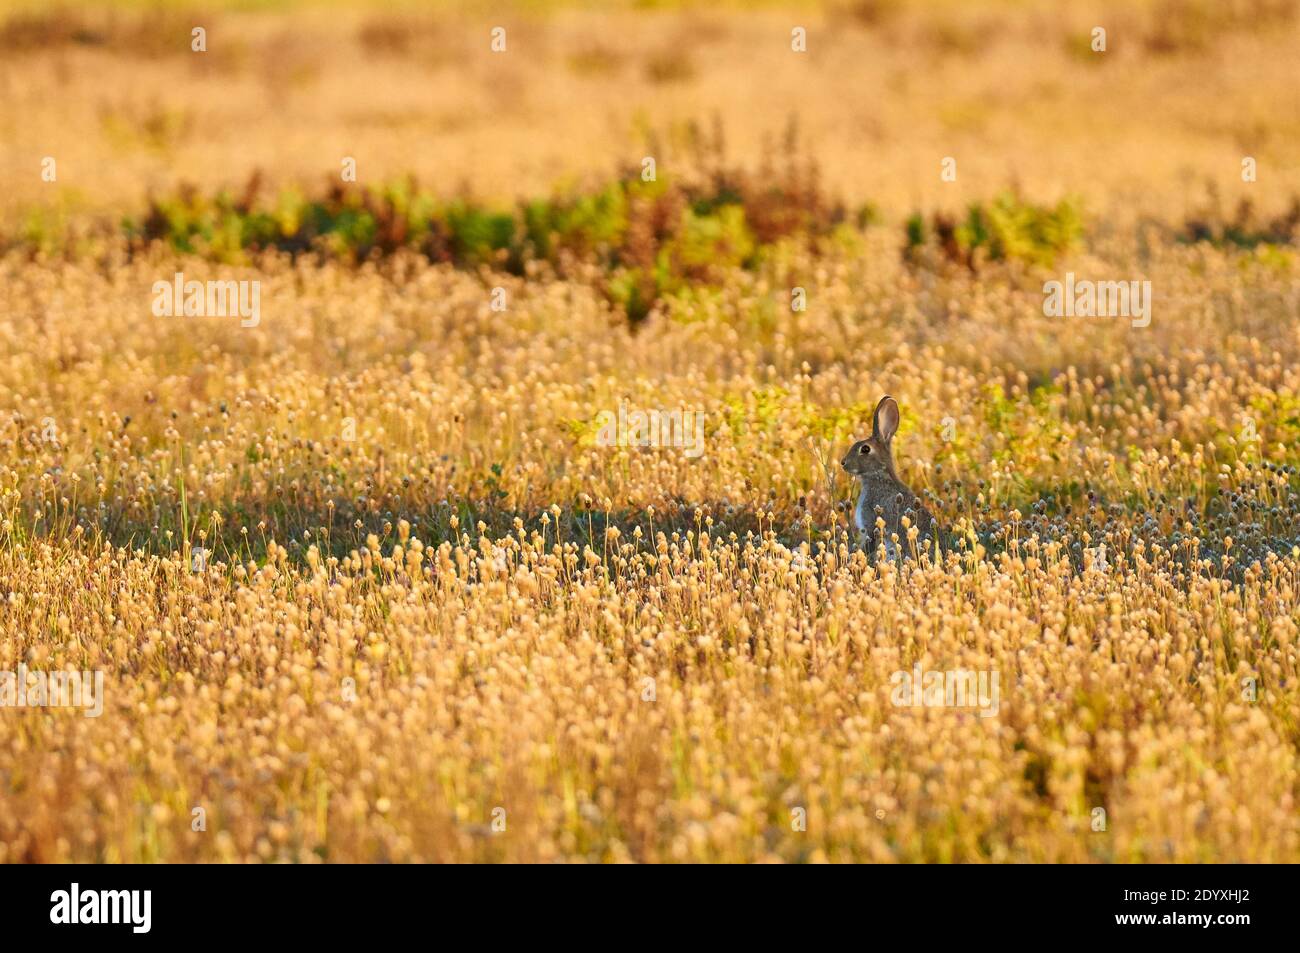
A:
(885, 422)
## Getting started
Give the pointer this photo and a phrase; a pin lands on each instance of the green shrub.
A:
(651, 238)
(1006, 229)
(1245, 228)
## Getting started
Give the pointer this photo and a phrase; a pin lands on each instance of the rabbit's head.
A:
(872, 455)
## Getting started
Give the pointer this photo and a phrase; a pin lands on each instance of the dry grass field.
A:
(362, 577)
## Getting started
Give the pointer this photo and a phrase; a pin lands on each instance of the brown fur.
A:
(871, 461)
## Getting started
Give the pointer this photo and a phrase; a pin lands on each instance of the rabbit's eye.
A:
(865, 448)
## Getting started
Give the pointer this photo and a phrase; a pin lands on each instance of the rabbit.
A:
(883, 493)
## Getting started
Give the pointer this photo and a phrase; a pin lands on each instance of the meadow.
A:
(366, 582)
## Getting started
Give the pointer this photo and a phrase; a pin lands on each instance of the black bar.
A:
(1218, 904)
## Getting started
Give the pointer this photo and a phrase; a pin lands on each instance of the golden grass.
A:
(431, 594)
(880, 98)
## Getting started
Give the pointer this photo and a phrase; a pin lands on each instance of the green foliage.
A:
(915, 228)
(635, 291)
(43, 229)
(651, 238)
(1006, 229)
(478, 234)
(717, 239)
(1015, 229)
(1244, 228)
